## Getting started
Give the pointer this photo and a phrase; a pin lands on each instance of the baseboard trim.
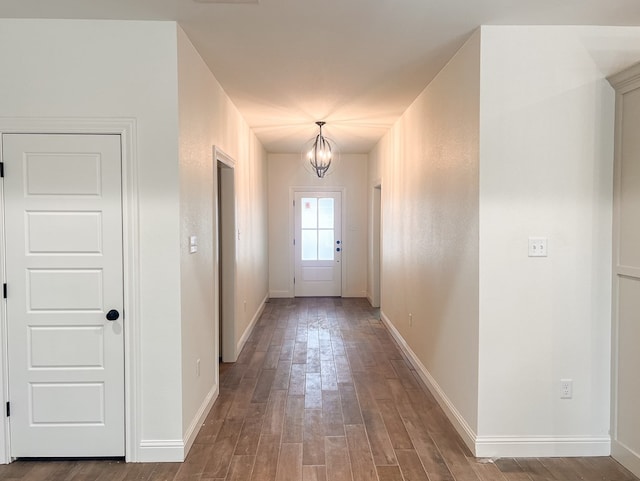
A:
(626, 456)
(370, 299)
(252, 324)
(459, 423)
(511, 446)
(280, 294)
(161, 451)
(192, 432)
(542, 446)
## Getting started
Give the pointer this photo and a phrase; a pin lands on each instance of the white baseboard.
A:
(354, 295)
(280, 294)
(626, 456)
(508, 446)
(176, 450)
(252, 324)
(541, 446)
(370, 299)
(161, 451)
(459, 423)
(198, 420)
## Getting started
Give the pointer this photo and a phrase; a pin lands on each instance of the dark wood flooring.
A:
(321, 392)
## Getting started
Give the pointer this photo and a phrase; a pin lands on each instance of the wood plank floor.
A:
(321, 392)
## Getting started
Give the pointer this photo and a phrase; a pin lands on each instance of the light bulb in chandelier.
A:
(321, 153)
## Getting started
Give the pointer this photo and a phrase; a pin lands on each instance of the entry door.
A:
(318, 244)
(63, 220)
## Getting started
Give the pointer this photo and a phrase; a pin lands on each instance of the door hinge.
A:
(294, 242)
(294, 279)
(4, 291)
(8, 409)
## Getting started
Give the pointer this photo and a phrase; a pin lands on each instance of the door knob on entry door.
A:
(112, 315)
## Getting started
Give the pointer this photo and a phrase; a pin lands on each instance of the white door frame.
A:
(229, 229)
(292, 227)
(126, 128)
(376, 243)
(624, 82)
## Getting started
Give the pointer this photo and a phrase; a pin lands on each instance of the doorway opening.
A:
(318, 244)
(376, 245)
(226, 256)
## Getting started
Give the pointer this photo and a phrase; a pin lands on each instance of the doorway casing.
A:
(292, 255)
(225, 276)
(376, 243)
(126, 129)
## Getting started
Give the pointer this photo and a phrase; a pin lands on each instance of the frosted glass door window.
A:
(317, 244)
(317, 222)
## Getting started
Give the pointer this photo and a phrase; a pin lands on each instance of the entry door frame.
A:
(126, 129)
(292, 232)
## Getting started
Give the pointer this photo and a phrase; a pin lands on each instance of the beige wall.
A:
(546, 166)
(104, 69)
(208, 118)
(286, 171)
(513, 139)
(428, 164)
(149, 72)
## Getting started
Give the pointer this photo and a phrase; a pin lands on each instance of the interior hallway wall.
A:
(144, 71)
(546, 163)
(286, 171)
(544, 120)
(207, 118)
(428, 164)
(113, 69)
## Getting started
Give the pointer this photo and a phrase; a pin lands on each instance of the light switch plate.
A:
(193, 244)
(537, 247)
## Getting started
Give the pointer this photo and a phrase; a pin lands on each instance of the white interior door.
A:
(63, 220)
(625, 429)
(318, 244)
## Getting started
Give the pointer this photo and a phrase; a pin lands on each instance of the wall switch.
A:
(537, 247)
(193, 244)
(566, 388)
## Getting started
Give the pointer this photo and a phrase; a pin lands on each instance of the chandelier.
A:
(320, 153)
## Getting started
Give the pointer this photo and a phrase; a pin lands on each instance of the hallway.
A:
(321, 392)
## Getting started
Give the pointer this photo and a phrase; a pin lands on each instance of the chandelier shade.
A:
(320, 153)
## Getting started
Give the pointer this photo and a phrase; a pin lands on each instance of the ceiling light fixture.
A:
(320, 153)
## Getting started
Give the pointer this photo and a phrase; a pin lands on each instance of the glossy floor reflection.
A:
(321, 392)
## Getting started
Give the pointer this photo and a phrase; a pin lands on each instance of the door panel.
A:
(625, 428)
(318, 244)
(63, 219)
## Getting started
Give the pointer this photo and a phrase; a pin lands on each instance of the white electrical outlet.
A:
(566, 388)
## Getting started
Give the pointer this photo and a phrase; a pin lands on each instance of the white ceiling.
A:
(357, 64)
